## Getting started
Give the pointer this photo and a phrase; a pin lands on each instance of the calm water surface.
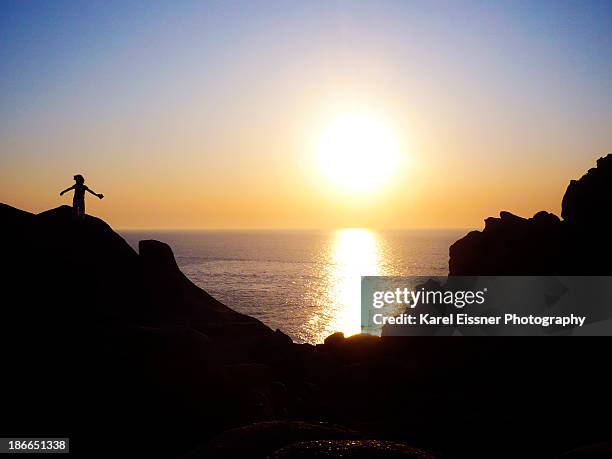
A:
(306, 283)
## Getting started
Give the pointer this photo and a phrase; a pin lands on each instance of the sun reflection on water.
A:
(355, 252)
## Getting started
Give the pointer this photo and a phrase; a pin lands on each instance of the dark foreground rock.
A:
(599, 451)
(262, 439)
(121, 352)
(100, 338)
(362, 449)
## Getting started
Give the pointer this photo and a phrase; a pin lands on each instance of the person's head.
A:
(79, 179)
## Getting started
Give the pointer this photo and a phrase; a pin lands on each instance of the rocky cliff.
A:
(120, 351)
(98, 338)
(579, 244)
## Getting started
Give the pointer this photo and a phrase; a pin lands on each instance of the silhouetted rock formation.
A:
(264, 438)
(588, 201)
(543, 244)
(121, 352)
(362, 449)
(599, 451)
(108, 335)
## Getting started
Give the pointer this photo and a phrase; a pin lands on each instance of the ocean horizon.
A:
(303, 282)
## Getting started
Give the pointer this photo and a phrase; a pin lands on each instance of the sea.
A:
(303, 282)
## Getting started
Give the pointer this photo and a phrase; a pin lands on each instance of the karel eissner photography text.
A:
(460, 299)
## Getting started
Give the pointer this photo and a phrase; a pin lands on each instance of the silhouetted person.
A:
(78, 201)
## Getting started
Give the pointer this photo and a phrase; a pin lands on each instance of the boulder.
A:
(587, 201)
(259, 440)
(157, 254)
(350, 449)
(334, 339)
(601, 450)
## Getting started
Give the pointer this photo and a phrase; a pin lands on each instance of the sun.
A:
(358, 152)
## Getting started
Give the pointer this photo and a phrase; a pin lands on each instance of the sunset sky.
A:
(194, 114)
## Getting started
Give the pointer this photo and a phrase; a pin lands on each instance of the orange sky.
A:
(209, 118)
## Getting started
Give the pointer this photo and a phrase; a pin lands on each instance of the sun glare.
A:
(358, 152)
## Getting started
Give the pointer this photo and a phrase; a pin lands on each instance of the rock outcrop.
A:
(587, 202)
(121, 352)
(120, 341)
(543, 244)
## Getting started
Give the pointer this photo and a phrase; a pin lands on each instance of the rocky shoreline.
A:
(106, 342)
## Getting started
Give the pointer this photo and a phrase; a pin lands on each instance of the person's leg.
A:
(79, 208)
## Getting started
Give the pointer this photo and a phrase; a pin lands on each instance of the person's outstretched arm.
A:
(66, 190)
(100, 195)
